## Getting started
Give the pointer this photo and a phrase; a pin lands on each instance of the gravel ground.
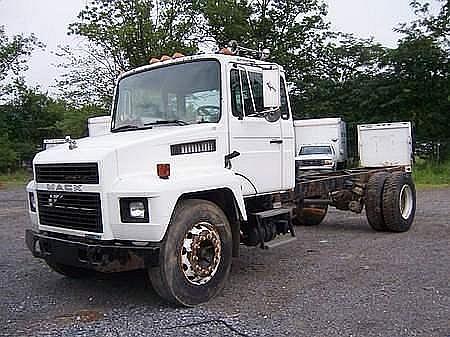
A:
(337, 279)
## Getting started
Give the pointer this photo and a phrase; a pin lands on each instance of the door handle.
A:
(276, 141)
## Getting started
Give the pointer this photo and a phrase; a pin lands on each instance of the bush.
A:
(8, 155)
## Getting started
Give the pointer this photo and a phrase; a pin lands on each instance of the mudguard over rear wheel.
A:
(195, 255)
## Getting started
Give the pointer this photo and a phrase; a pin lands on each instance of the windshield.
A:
(179, 94)
(315, 150)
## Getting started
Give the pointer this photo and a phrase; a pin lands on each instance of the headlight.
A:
(134, 210)
(137, 209)
(32, 201)
(328, 162)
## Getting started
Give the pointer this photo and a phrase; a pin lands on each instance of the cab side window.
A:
(256, 82)
(246, 92)
(247, 95)
(236, 96)
(284, 108)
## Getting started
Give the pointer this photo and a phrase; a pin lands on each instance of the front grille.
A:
(312, 162)
(81, 211)
(79, 173)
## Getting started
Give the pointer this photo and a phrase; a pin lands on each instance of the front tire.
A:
(399, 202)
(195, 256)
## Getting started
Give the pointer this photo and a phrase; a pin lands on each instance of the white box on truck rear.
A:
(386, 144)
(322, 131)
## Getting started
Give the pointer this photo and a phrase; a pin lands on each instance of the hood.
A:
(95, 148)
(138, 151)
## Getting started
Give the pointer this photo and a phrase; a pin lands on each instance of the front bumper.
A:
(109, 256)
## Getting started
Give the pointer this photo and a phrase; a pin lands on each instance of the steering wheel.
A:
(207, 111)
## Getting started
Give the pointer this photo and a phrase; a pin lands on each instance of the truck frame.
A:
(199, 160)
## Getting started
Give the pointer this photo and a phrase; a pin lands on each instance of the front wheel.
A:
(195, 256)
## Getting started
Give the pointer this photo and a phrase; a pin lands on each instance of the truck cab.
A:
(216, 128)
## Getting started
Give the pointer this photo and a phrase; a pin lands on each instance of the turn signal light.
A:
(163, 170)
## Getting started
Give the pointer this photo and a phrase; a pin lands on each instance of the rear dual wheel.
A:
(195, 256)
(399, 202)
(390, 201)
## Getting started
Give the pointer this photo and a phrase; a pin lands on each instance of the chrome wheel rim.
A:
(406, 202)
(200, 253)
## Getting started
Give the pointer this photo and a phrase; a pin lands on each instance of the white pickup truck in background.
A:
(321, 144)
(316, 157)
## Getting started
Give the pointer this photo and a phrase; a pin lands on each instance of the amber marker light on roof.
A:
(177, 55)
(225, 51)
(165, 58)
(153, 60)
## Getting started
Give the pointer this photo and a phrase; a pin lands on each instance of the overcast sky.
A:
(49, 19)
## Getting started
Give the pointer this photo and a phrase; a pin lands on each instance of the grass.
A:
(14, 180)
(430, 175)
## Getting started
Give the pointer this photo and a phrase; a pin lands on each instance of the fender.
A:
(164, 194)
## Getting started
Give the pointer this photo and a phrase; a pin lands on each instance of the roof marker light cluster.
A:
(165, 58)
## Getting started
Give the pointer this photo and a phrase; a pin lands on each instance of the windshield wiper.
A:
(130, 127)
(125, 127)
(169, 121)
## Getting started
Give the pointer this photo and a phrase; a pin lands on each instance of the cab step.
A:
(280, 240)
(281, 214)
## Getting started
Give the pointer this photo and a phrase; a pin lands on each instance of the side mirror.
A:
(271, 88)
(272, 115)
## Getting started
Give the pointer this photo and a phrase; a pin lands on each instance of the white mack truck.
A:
(198, 160)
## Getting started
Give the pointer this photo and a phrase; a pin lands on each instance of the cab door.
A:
(258, 141)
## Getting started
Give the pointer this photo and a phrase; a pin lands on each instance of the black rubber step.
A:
(280, 241)
(272, 213)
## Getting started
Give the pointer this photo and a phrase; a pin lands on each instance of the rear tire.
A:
(374, 200)
(195, 256)
(312, 215)
(70, 271)
(399, 202)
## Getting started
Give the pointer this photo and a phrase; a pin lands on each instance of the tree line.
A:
(329, 73)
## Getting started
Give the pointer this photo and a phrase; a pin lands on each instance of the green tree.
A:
(120, 35)
(14, 52)
(89, 77)
(8, 155)
(294, 31)
(28, 117)
(74, 121)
